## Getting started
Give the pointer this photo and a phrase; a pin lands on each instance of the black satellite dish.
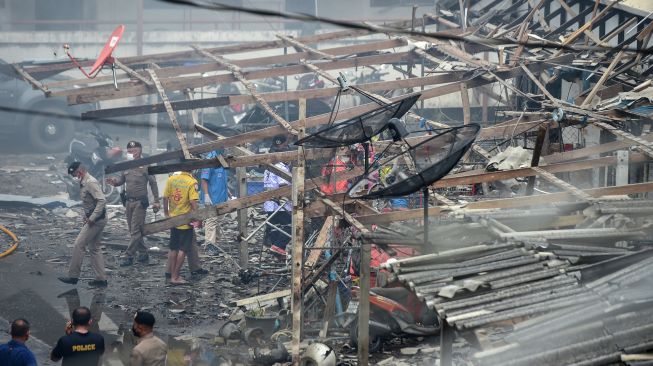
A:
(360, 128)
(416, 167)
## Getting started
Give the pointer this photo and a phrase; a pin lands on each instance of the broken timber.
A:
(171, 114)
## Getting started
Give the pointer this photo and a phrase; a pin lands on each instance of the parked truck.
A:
(43, 133)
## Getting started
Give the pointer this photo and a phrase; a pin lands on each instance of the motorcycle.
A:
(394, 312)
(95, 156)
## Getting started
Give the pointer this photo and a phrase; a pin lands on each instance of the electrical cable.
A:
(13, 246)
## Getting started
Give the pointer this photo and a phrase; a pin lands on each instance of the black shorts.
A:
(181, 239)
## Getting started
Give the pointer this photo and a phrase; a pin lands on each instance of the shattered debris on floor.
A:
(466, 186)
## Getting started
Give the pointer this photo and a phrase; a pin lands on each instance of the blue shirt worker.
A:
(214, 191)
(15, 353)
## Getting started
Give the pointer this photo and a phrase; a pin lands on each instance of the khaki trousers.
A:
(136, 220)
(194, 255)
(89, 238)
(211, 228)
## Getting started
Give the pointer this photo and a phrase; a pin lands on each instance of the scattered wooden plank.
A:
(261, 298)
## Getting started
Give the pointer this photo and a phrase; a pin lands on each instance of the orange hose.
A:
(13, 247)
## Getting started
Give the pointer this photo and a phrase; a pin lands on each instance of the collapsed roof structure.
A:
(517, 52)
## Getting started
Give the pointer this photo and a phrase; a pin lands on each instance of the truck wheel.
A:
(49, 134)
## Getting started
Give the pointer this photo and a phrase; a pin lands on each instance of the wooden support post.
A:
(297, 260)
(330, 308)
(535, 161)
(171, 113)
(464, 95)
(298, 240)
(484, 98)
(243, 247)
(446, 344)
(364, 305)
(621, 175)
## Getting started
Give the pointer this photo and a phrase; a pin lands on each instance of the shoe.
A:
(143, 258)
(98, 283)
(68, 280)
(278, 251)
(126, 262)
(200, 271)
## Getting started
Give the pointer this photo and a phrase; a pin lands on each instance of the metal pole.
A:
(425, 203)
(243, 247)
(364, 287)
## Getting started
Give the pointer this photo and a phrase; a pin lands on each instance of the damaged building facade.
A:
(467, 184)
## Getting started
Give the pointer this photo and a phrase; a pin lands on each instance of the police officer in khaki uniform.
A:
(150, 350)
(95, 218)
(136, 202)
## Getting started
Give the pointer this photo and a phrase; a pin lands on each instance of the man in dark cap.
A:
(136, 202)
(150, 350)
(15, 353)
(95, 218)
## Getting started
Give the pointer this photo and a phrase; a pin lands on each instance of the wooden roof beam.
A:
(583, 196)
(171, 113)
(645, 146)
(324, 118)
(129, 89)
(238, 48)
(481, 176)
(306, 48)
(236, 71)
(35, 83)
(517, 202)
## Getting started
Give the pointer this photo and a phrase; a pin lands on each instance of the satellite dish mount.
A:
(104, 58)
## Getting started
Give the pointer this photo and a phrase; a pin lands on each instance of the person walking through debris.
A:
(150, 350)
(80, 346)
(214, 191)
(15, 352)
(181, 196)
(135, 200)
(95, 218)
(282, 219)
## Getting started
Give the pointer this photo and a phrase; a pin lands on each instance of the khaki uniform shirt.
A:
(93, 199)
(136, 181)
(150, 351)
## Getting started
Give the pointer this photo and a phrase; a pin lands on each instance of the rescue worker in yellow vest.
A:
(136, 202)
(95, 218)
